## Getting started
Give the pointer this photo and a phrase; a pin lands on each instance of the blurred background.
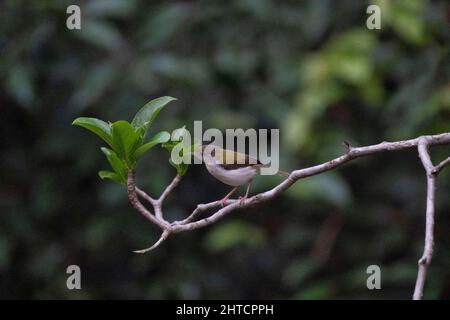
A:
(310, 68)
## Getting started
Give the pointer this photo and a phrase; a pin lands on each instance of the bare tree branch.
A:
(425, 260)
(421, 143)
(352, 153)
(145, 196)
(157, 203)
(134, 200)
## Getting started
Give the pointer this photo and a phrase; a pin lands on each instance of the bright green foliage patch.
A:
(128, 140)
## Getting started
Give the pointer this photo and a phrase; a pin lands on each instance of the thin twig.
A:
(163, 237)
(169, 188)
(202, 208)
(157, 205)
(145, 196)
(441, 166)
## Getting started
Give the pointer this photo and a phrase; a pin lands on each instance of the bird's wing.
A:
(230, 160)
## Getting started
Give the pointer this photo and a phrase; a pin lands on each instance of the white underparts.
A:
(232, 177)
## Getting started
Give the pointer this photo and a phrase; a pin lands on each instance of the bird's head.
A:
(206, 151)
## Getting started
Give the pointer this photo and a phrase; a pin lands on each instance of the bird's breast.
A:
(232, 177)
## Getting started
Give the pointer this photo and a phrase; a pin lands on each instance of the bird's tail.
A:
(280, 173)
(283, 173)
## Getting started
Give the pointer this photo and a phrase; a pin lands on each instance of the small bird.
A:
(232, 168)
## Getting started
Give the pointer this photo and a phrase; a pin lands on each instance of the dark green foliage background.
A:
(310, 68)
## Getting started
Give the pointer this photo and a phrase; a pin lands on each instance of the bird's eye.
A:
(213, 152)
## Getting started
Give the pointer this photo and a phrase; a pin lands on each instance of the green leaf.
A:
(97, 126)
(181, 168)
(141, 132)
(117, 164)
(160, 137)
(177, 138)
(147, 114)
(125, 139)
(110, 175)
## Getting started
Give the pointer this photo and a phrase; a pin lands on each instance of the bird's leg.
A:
(242, 199)
(224, 200)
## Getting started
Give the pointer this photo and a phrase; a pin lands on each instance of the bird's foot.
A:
(242, 200)
(223, 202)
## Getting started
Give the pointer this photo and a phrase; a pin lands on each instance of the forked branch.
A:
(190, 223)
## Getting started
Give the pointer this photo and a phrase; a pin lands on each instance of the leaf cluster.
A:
(127, 141)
